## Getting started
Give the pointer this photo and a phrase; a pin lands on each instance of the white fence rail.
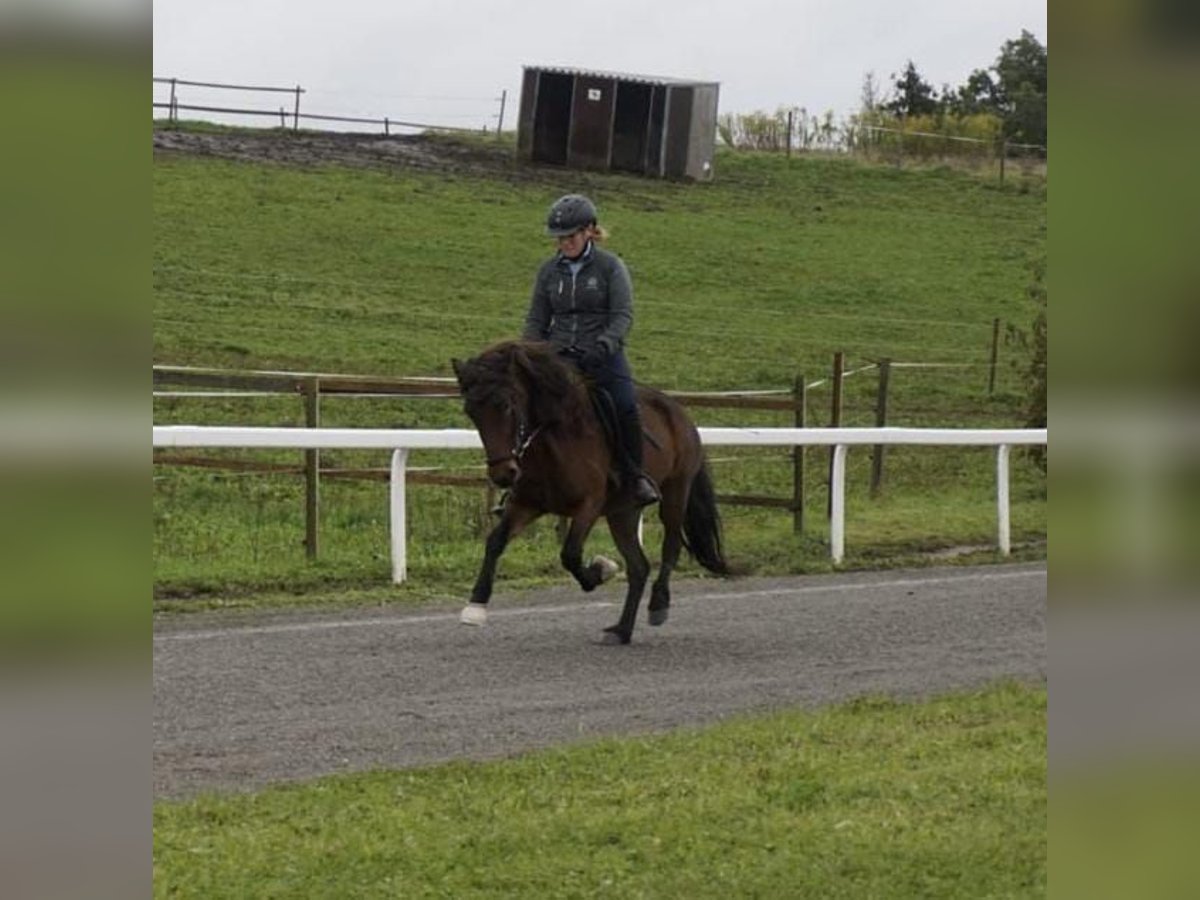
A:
(400, 441)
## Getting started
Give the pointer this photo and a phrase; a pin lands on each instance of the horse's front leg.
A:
(599, 570)
(515, 519)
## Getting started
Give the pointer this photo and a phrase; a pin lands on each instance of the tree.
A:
(978, 95)
(1021, 88)
(869, 95)
(912, 95)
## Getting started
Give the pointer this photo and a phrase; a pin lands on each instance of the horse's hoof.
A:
(474, 614)
(613, 638)
(606, 567)
(658, 616)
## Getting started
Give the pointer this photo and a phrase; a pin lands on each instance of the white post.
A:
(1002, 523)
(399, 518)
(837, 510)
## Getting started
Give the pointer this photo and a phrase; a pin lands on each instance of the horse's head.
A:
(496, 402)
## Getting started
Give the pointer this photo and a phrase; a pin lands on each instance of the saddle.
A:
(606, 413)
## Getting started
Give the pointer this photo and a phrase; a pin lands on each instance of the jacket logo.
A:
(592, 282)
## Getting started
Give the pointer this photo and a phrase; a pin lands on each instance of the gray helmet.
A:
(570, 213)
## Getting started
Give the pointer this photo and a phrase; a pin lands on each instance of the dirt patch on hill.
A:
(431, 153)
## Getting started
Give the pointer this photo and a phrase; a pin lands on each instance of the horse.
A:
(546, 444)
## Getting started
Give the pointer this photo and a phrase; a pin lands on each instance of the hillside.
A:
(367, 255)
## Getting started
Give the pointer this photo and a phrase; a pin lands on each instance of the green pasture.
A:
(744, 283)
(874, 798)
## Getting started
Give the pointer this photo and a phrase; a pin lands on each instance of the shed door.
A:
(679, 128)
(591, 121)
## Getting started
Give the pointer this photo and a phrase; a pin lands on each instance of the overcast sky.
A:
(447, 61)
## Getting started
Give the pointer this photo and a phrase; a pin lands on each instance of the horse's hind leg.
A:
(623, 526)
(674, 503)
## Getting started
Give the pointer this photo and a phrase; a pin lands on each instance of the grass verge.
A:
(873, 798)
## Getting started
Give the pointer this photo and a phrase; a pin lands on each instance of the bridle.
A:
(524, 439)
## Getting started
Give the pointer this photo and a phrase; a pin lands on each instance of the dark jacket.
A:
(593, 307)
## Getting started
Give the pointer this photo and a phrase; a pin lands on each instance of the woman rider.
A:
(583, 304)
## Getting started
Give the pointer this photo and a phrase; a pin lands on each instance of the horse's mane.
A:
(554, 389)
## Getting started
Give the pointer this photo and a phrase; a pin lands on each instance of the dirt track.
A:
(239, 704)
(438, 154)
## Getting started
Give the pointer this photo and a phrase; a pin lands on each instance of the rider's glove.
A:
(595, 356)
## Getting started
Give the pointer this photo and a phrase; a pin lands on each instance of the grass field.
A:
(942, 798)
(740, 284)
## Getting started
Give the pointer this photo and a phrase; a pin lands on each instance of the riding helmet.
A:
(570, 213)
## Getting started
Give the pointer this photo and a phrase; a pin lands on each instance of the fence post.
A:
(1003, 533)
(386, 127)
(500, 120)
(835, 420)
(1003, 155)
(282, 117)
(173, 114)
(312, 470)
(994, 357)
(800, 398)
(837, 496)
(789, 134)
(296, 120)
(399, 517)
(881, 402)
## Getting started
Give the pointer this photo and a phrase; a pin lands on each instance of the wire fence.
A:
(291, 115)
(972, 142)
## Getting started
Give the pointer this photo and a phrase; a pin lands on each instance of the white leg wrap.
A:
(608, 568)
(474, 614)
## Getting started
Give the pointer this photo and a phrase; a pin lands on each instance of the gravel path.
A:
(243, 702)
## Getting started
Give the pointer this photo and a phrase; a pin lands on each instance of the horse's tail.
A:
(702, 524)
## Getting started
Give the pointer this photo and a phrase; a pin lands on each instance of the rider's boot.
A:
(640, 485)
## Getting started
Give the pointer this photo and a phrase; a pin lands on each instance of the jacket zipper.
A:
(574, 318)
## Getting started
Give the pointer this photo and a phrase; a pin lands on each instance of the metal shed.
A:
(611, 120)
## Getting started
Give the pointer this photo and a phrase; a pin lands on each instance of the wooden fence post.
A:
(296, 120)
(500, 121)
(1003, 154)
(173, 115)
(995, 356)
(835, 419)
(881, 400)
(282, 117)
(312, 470)
(789, 134)
(800, 396)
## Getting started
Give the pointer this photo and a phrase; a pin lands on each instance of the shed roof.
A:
(623, 76)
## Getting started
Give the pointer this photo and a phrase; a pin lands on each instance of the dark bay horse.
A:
(545, 442)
